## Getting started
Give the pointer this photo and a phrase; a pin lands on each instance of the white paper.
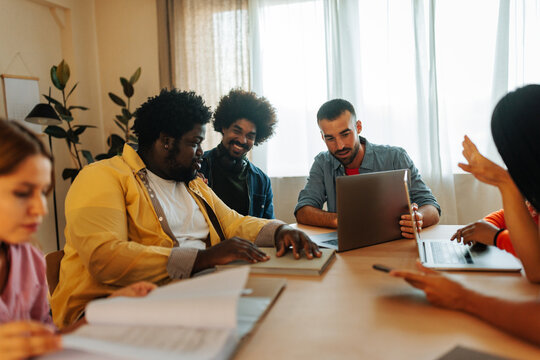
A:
(206, 301)
(153, 342)
(250, 310)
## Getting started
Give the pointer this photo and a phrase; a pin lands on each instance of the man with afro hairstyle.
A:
(146, 215)
(244, 120)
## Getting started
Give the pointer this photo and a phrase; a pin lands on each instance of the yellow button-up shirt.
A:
(115, 237)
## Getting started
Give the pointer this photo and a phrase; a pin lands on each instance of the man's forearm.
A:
(309, 215)
(430, 215)
(202, 261)
(518, 318)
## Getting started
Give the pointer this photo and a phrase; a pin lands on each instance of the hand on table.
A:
(440, 290)
(406, 224)
(235, 249)
(24, 339)
(477, 232)
(480, 167)
(286, 236)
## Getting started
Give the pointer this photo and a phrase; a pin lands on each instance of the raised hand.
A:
(481, 167)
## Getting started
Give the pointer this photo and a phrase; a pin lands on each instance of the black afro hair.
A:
(172, 112)
(241, 104)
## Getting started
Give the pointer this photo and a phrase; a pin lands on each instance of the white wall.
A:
(127, 39)
(101, 40)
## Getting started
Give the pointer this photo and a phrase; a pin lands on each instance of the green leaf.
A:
(128, 88)
(117, 100)
(120, 125)
(70, 173)
(66, 118)
(73, 88)
(61, 110)
(133, 79)
(71, 136)
(55, 131)
(62, 72)
(122, 119)
(127, 114)
(54, 78)
(88, 156)
(116, 144)
(77, 107)
(133, 139)
(79, 129)
(52, 100)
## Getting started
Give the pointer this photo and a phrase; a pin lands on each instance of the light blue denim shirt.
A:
(321, 183)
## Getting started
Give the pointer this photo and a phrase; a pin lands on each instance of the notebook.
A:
(287, 264)
(369, 207)
(443, 254)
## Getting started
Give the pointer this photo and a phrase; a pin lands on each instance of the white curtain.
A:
(289, 68)
(420, 73)
(211, 50)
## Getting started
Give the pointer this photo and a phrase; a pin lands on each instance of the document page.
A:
(206, 301)
(153, 342)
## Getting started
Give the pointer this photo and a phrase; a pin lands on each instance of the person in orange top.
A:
(491, 230)
(515, 125)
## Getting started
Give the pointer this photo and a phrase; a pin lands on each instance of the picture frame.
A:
(21, 94)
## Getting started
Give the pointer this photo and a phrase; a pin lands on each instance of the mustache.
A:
(343, 151)
(233, 142)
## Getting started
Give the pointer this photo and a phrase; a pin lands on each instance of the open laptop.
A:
(443, 254)
(369, 207)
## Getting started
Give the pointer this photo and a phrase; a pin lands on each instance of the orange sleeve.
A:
(504, 243)
(496, 218)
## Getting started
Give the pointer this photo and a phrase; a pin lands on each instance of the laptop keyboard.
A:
(450, 253)
(331, 242)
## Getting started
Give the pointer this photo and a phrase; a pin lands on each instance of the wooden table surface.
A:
(354, 312)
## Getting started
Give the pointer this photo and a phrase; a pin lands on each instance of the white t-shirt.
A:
(185, 219)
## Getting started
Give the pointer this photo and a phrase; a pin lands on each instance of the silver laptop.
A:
(443, 254)
(369, 207)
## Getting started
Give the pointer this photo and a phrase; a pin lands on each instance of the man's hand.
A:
(138, 289)
(24, 339)
(406, 224)
(286, 236)
(480, 231)
(440, 290)
(230, 250)
(480, 167)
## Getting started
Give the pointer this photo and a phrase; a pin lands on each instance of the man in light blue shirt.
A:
(348, 154)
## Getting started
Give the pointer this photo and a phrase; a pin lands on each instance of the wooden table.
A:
(354, 312)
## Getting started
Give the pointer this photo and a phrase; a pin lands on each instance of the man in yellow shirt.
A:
(145, 215)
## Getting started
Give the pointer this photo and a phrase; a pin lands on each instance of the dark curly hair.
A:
(241, 104)
(172, 112)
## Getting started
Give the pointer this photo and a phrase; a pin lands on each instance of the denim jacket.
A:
(321, 183)
(259, 187)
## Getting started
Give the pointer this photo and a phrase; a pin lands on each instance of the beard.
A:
(351, 157)
(182, 174)
(178, 172)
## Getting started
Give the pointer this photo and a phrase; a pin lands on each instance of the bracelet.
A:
(496, 236)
